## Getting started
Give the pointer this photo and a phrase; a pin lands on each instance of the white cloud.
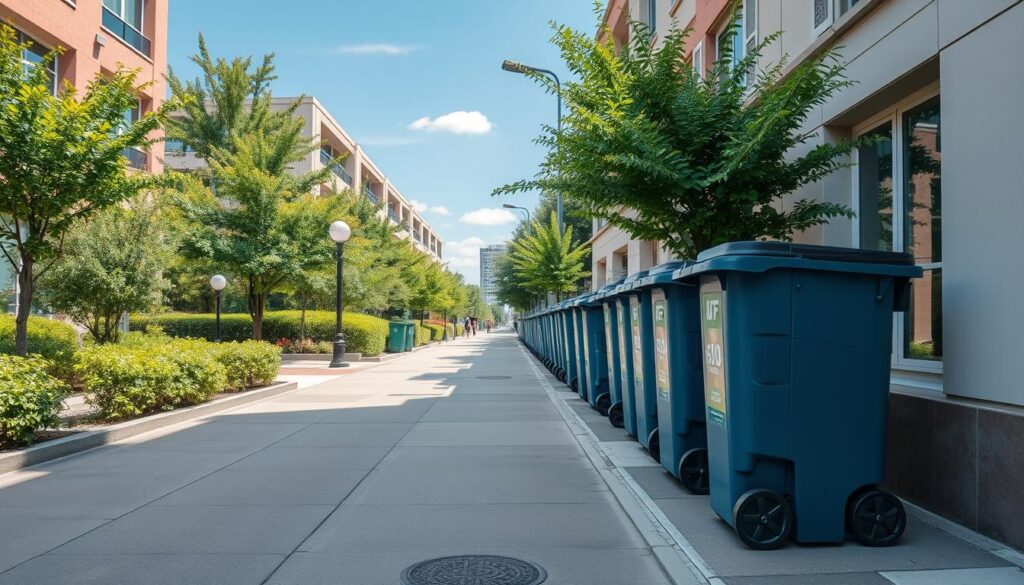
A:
(456, 123)
(439, 210)
(374, 49)
(422, 207)
(389, 141)
(419, 206)
(489, 217)
(463, 256)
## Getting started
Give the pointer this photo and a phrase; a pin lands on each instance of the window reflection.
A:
(875, 178)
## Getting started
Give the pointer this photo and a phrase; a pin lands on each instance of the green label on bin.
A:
(619, 312)
(609, 342)
(661, 364)
(713, 336)
(638, 350)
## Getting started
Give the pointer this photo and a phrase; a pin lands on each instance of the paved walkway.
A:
(456, 449)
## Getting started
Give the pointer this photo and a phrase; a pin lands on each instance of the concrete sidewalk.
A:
(457, 449)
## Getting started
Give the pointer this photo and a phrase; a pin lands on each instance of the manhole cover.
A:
(474, 570)
(494, 377)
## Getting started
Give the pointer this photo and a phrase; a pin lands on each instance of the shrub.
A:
(55, 341)
(140, 377)
(436, 331)
(422, 335)
(30, 398)
(364, 334)
(305, 346)
(248, 364)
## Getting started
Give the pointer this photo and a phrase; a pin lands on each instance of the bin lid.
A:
(663, 273)
(763, 256)
(608, 290)
(631, 282)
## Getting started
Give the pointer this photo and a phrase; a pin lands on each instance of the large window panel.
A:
(874, 174)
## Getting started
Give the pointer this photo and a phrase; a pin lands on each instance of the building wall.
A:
(91, 50)
(488, 286)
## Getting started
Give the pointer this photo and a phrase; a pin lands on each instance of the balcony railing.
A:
(327, 160)
(418, 237)
(136, 158)
(394, 215)
(370, 194)
(127, 32)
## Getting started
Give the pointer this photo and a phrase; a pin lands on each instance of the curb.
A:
(675, 561)
(84, 441)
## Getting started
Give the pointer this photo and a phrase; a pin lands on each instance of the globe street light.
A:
(523, 209)
(217, 283)
(340, 233)
(517, 67)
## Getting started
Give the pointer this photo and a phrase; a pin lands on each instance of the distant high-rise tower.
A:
(488, 284)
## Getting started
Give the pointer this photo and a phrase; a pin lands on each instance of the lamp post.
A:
(217, 283)
(517, 67)
(340, 233)
(444, 334)
(523, 209)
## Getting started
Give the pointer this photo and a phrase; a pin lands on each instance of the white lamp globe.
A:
(340, 232)
(218, 282)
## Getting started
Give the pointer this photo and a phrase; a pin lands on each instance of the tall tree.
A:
(60, 161)
(701, 160)
(548, 262)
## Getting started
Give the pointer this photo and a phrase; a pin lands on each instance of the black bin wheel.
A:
(693, 471)
(615, 415)
(876, 518)
(603, 403)
(762, 519)
(654, 445)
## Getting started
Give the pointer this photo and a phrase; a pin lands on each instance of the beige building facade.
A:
(938, 86)
(357, 172)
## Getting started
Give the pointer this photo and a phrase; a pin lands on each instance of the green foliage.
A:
(112, 265)
(30, 399)
(546, 261)
(305, 346)
(364, 334)
(62, 159)
(56, 342)
(140, 377)
(248, 364)
(423, 335)
(436, 331)
(700, 161)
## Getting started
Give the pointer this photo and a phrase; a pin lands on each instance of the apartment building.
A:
(938, 86)
(488, 276)
(97, 37)
(358, 171)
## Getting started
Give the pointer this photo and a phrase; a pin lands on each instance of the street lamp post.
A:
(340, 233)
(217, 283)
(517, 67)
(523, 209)
(444, 334)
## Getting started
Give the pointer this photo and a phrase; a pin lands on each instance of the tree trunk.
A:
(25, 290)
(257, 303)
(302, 320)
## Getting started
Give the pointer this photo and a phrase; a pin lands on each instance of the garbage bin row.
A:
(758, 374)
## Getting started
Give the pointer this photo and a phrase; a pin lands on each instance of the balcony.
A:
(127, 32)
(417, 237)
(339, 171)
(370, 194)
(136, 158)
(394, 215)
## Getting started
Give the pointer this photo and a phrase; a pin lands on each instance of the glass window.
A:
(34, 55)
(652, 14)
(736, 43)
(129, 11)
(900, 209)
(922, 227)
(874, 175)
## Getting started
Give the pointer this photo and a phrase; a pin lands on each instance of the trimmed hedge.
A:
(423, 335)
(30, 399)
(150, 373)
(436, 331)
(364, 334)
(55, 341)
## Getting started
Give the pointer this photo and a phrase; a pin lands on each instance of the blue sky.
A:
(388, 70)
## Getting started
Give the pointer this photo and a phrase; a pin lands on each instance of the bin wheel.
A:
(876, 518)
(693, 471)
(603, 403)
(762, 519)
(615, 416)
(654, 445)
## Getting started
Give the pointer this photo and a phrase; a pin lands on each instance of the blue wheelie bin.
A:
(604, 402)
(567, 343)
(797, 342)
(576, 316)
(641, 321)
(624, 332)
(678, 376)
(594, 357)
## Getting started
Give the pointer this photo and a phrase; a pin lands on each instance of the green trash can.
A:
(410, 335)
(797, 343)
(398, 336)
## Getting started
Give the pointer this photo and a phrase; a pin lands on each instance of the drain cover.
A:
(474, 570)
(494, 377)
